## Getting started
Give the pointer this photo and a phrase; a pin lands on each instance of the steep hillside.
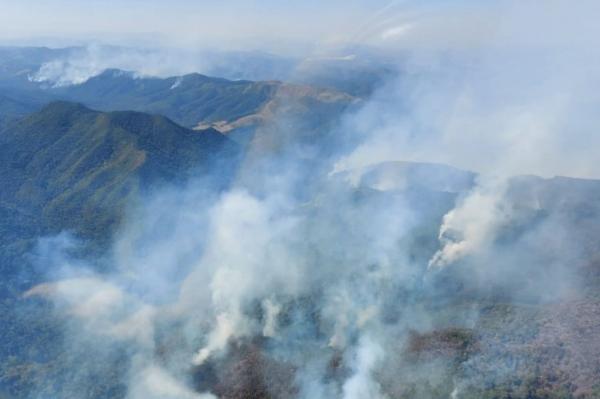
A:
(74, 168)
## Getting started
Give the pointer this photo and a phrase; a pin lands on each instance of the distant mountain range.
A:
(357, 70)
(194, 101)
(188, 99)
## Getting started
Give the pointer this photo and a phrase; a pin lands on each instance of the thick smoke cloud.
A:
(334, 279)
(498, 104)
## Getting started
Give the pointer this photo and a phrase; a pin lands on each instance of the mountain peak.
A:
(58, 114)
(64, 107)
(72, 163)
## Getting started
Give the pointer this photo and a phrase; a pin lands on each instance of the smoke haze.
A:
(318, 264)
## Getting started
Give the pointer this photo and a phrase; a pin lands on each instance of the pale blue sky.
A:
(267, 24)
(185, 21)
(301, 25)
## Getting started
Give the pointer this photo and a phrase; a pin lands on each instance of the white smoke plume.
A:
(82, 63)
(361, 384)
(471, 225)
(86, 62)
(153, 382)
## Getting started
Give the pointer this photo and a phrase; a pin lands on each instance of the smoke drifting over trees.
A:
(343, 258)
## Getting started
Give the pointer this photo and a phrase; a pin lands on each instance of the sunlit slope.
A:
(74, 168)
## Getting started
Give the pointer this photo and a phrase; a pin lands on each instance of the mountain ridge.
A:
(68, 158)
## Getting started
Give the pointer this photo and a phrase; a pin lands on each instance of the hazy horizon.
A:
(300, 28)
